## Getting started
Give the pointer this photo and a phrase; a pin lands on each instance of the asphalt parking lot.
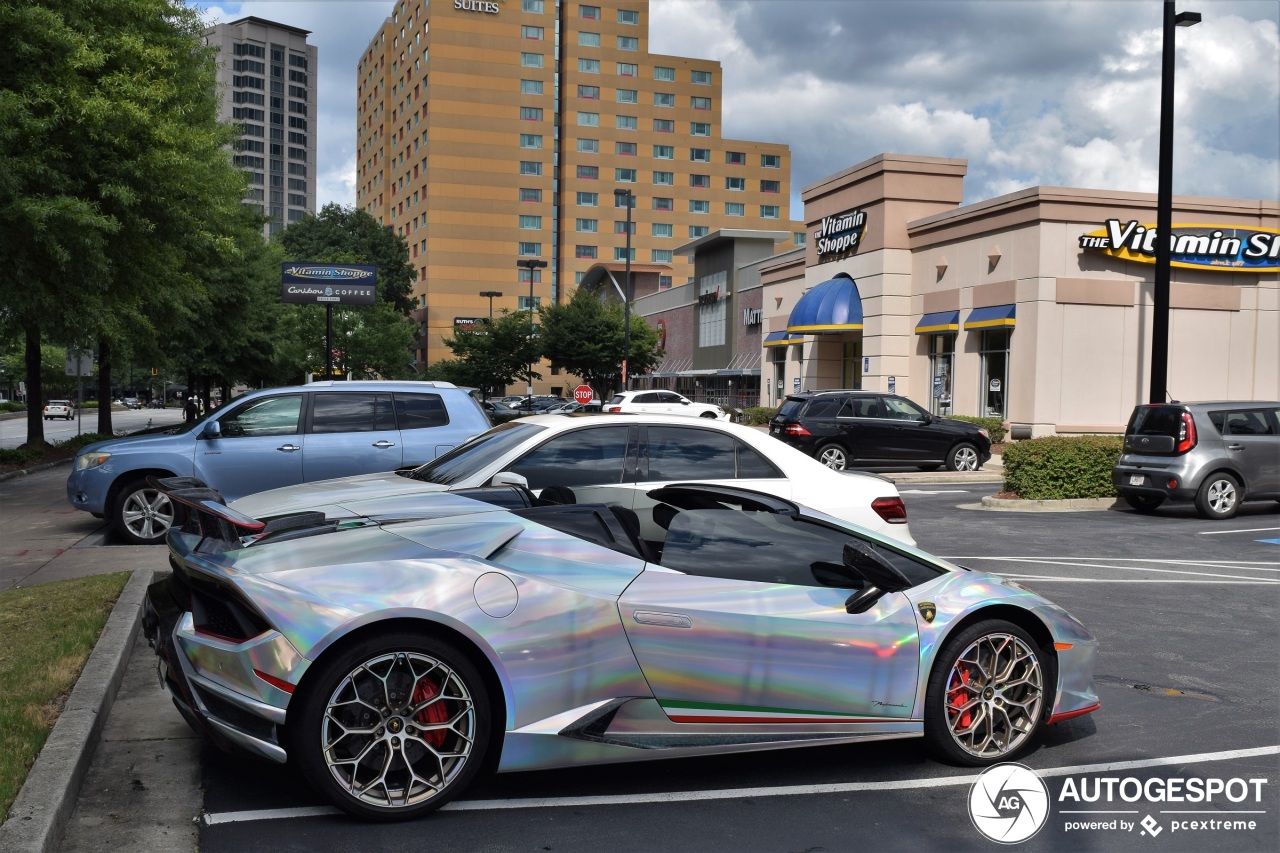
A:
(1186, 611)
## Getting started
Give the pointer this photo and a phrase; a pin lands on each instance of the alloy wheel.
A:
(1221, 496)
(966, 459)
(994, 694)
(147, 514)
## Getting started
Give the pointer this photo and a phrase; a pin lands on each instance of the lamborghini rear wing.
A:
(220, 527)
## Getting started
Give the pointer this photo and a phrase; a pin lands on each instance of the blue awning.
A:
(781, 339)
(992, 317)
(942, 321)
(832, 306)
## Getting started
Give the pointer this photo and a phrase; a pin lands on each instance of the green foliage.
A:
(756, 415)
(1058, 468)
(584, 336)
(994, 426)
(19, 455)
(497, 352)
(12, 407)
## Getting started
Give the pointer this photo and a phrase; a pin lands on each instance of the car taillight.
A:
(794, 429)
(614, 409)
(892, 510)
(1186, 433)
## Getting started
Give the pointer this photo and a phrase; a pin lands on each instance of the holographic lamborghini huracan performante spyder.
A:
(393, 650)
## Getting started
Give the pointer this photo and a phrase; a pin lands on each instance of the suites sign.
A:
(476, 6)
(1219, 248)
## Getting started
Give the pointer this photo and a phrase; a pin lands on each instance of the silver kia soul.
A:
(1216, 454)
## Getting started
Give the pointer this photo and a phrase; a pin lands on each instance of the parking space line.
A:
(1249, 530)
(738, 793)
(1064, 563)
(1053, 579)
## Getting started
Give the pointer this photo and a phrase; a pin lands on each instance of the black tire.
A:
(420, 668)
(959, 696)
(141, 514)
(963, 457)
(1219, 496)
(1142, 503)
(833, 456)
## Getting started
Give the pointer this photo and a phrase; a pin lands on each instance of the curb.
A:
(48, 796)
(25, 471)
(1070, 505)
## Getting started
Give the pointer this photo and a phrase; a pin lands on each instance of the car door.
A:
(426, 430)
(597, 463)
(350, 432)
(909, 436)
(1252, 442)
(671, 403)
(745, 622)
(258, 447)
(855, 423)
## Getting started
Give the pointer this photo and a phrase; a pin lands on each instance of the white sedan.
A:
(618, 460)
(663, 403)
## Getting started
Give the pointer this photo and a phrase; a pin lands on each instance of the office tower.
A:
(267, 74)
(495, 132)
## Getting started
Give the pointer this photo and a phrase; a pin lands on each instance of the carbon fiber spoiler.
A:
(220, 527)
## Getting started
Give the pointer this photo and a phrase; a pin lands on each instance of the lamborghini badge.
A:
(928, 610)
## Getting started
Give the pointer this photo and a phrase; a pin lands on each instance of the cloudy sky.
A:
(1031, 92)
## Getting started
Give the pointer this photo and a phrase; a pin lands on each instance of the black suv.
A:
(839, 428)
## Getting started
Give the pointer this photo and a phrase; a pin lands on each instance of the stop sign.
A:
(583, 394)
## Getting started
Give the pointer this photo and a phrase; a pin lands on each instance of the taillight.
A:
(614, 409)
(1186, 433)
(892, 510)
(794, 429)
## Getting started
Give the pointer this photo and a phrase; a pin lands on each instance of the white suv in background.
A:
(663, 403)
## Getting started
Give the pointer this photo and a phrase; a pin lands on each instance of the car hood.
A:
(153, 438)
(340, 492)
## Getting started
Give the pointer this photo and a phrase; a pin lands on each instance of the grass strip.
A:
(46, 634)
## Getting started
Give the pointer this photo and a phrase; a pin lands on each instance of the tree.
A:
(584, 336)
(499, 351)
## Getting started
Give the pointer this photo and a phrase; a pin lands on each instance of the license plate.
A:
(1136, 480)
(776, 430)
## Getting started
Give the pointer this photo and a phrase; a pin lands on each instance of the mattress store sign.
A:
(1201, 247)
(840, 236)
(309, 284)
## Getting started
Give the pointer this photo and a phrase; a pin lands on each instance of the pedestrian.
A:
(191, 410)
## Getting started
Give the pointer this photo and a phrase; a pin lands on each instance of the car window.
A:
(791, 409)
(350, 412)
(1157, 420)
(419, 411)
(269, 416)
(753, 466)
(669, 397)
(582, 457)
(617, 398)
(900, 409)
(475, 454)
(859, 407)
(823, 407)
(680, 453)
(646, 398)
(1252, 422)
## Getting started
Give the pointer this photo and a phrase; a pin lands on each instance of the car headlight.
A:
(91, 460)
(984, 433)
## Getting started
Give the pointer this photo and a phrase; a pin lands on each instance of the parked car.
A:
(538, 403)
(843, 428)
(1217, 454)
(499, 413)
(628, 456)
(491, 628)
(663, 403)
(272, 438)
(60, 409)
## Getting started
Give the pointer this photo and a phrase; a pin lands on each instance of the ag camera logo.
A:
(1008, 803)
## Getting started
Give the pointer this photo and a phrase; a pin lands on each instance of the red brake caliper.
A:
(958, 697)
(433, 714)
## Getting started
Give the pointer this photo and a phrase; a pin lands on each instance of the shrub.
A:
(993, 426)
(18, 456)
(758, 415)
(1057, 468)
(12, 407)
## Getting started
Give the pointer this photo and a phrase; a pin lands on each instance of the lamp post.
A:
(1164, 208)
(530, 264)
(491, 294)
(629, 198)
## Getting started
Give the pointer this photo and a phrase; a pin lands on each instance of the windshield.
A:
(474, 454)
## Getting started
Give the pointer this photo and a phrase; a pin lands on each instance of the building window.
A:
(588, 119)
(588, 39)
(702, 78)
(771, 161)
(663, 204)
(584, 252)
(531, 87)
(524, 303)
(589, 173)
(588, 146)
(664, 125)
(530, 167)
(625, 122)
(534, 33)
(528, 194)
(699, 206)
(620, 254)
(530, 140)
(624, 176)
(664, 99)
(735, 158)
(589, 93)
(696, 231)
(621, 227)
(529, 250)
(735, 208)
(589, 66)
(661, 72)
(621, 200)
(531, 60)
(660, 256)
(625, 149)
(800, 238)
(588, 226)
(628, 16)
(534, 6)
(662, 229)
(700, 103)
(627, 69)
(770, 186)
(531, 113)
(735, 184)
(628, 43)
(700, 155)
(530, 222)
(995, 373)
(664, 282)
(591, 13)
(628, 96)
(712, 314)
(769, 211)
(700, 128)
(664, 179)
(700, 181)
(588, 199)
(664, 152)
(942, 358)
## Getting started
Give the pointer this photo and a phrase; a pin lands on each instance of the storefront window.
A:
(942, 359)
(778, 390)
(995, 372)
(851, 365)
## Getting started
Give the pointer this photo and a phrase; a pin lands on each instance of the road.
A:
(13, 431)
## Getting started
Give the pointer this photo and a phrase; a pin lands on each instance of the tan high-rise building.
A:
(495, 132)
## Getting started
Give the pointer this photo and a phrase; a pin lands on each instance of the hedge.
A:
(994, 426)
(756, 415)
(1058, 468)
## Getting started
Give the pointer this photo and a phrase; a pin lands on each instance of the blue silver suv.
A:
(273, 438)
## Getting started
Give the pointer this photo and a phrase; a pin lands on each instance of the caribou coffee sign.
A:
(840, 236)
(1199, 247)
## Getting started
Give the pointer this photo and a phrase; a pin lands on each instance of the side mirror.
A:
(881, 576)
(928, 418)
(684, 402)
(509, 478)
(211, 430)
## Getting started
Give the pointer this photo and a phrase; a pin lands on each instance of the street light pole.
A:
(1164, 208)
(530, 264)
(491, 294)
(629, 197)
